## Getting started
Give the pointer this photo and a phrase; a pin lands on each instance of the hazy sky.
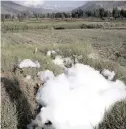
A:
(38, 2)
(41, 2)
(31, 2)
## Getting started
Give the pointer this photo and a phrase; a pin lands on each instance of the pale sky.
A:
(41, 2)
(37, 2)
(30, 2)
(33, 2)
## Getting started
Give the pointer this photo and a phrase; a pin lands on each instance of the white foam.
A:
(28, 63)
(78, 98)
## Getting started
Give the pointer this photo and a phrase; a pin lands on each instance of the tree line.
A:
(101, 12)
(79, 13)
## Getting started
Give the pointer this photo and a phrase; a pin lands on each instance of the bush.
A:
(90, 26)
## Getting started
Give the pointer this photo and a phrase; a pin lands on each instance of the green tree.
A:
(88, 13)
(19, 17)
(35, 15)
(115, 13)
(101, 12)
(12, 18)
(123, 13)
(58, 15)
(2, 18)
(80, 13)
(106, 13)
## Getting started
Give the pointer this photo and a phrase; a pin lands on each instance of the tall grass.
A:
(15, 48)
(54, 24)
(11, 56)
(19, 26)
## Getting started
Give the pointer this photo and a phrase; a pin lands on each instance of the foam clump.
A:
(58, 61)
(45, 75)
(77, 98)
(108, 74)
(51, 52)
(27, 63)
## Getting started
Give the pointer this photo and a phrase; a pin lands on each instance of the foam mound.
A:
(77, 98)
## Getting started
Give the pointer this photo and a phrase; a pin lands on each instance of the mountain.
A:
(15, 7)
(103, 4)
(9, 7)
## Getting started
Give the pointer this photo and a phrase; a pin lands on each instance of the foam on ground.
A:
(78, 98)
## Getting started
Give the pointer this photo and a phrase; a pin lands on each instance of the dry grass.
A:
(59, 24)
(115, 118)
(15, 105)
(18, 103)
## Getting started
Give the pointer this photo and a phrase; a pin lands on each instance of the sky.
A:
(41, 2)
(37, 3)
(31, 2)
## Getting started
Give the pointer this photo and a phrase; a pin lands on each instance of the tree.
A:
(101, 12)
(24, 15)
(73, 14)
(2, 18)
(53, 15)
(7, 16)
(115, 13)
(76, 15)
(35, 15)
(20, 17)
(12, 18)
(58, 15)
(48, 15)
(43, 15)
(96, 13)
(106, 13)
(80, 13)
(88, 13)
(123, 13)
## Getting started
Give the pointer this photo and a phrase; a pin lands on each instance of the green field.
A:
(66, 24)
(105, 42)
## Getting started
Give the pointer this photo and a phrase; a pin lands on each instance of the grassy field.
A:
(102, 45)
(65, 24)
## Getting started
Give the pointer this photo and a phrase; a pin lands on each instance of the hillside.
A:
(9, 7)
(13, 8)
(105, 4)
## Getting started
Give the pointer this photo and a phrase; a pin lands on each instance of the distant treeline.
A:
(101, 12)
(79, 13)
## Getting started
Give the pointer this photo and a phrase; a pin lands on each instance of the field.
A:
(65, 24)
(102, 45)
